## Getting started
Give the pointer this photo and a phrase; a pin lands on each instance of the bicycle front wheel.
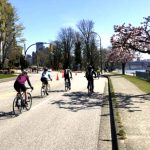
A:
(29, 101)
(17, 107)
(48, 88)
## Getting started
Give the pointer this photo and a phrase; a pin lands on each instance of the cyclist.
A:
(45, 77)
(89, 75)
(20, 83)
(67, 76)
(98, 72)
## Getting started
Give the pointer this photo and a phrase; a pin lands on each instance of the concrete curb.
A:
(105, 141)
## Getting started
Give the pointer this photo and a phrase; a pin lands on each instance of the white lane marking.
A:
(41, 103)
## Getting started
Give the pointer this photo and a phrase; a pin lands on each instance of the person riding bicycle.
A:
(45, 77)
(68, 75)
(89, 75)
(20, 83)
(98, 72)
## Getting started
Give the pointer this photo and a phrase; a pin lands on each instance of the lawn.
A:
(141, 84)
(2, 76)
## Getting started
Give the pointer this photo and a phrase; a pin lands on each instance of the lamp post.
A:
(37, 43)
(101, 66)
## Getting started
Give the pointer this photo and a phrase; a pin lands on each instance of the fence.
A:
(143, 75)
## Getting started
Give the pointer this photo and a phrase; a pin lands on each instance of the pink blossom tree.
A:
(120, 55)
(132, 38)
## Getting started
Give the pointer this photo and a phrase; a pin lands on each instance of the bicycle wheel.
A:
(43, 91)
(48, 87)
(66, 86)
(29, 102)
(17, 107)
(90, 88)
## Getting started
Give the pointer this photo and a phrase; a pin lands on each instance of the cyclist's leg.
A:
(46, 84)
(88, 84)
(69, 82)
(24, 89)
(92, 85)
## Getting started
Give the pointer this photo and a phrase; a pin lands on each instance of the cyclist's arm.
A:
(70, 74)
(49, 77)
(94, 73)
(29, 83)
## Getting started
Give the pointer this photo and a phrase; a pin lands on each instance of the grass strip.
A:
(119, 125)
(140, 83)
(3, 76)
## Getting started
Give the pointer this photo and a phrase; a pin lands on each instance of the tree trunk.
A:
(123, 68)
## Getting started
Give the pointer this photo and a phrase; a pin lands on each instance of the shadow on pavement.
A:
(79, 101)
(127, 102)
(6, 115)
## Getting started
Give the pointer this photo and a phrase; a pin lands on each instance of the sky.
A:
(43, 19)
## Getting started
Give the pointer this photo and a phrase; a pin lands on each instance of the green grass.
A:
(141, 84)
(3, 76)
(119, 125)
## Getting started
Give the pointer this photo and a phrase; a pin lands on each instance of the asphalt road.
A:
(61, 121)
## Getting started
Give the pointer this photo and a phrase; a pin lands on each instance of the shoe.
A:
(47, 94)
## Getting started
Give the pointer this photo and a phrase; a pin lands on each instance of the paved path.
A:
(63, 120)
(134, 107)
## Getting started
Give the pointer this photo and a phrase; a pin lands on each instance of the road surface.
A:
(60, 121)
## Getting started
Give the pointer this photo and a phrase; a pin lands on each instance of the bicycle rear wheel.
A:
(17, 107)
(29, 102)
(66, 86)
(43, 91)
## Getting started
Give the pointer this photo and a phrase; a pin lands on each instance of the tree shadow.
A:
(130, 101)
(79, 101)
(6, 115)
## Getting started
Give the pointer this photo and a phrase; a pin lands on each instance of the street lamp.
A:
(101, 66)
(25, 50)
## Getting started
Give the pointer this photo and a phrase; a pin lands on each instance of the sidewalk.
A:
(134, 108)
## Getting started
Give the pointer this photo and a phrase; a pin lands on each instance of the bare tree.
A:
(86, 29)
(66, 37)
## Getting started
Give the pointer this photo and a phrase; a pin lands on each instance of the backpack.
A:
(89, 74)
(66, 72)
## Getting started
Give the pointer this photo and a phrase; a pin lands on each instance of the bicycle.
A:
(44, 91)
(19, 102)
(90, 88)
(67, 87)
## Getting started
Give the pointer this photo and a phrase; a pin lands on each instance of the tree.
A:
(120, 55)
(86, 29)
(66, 37)
(9, 29)
(132, 38)
(78, 50)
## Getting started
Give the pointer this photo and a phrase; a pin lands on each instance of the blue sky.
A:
(43, 19)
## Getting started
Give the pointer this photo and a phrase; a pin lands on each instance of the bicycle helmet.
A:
(45, 69)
